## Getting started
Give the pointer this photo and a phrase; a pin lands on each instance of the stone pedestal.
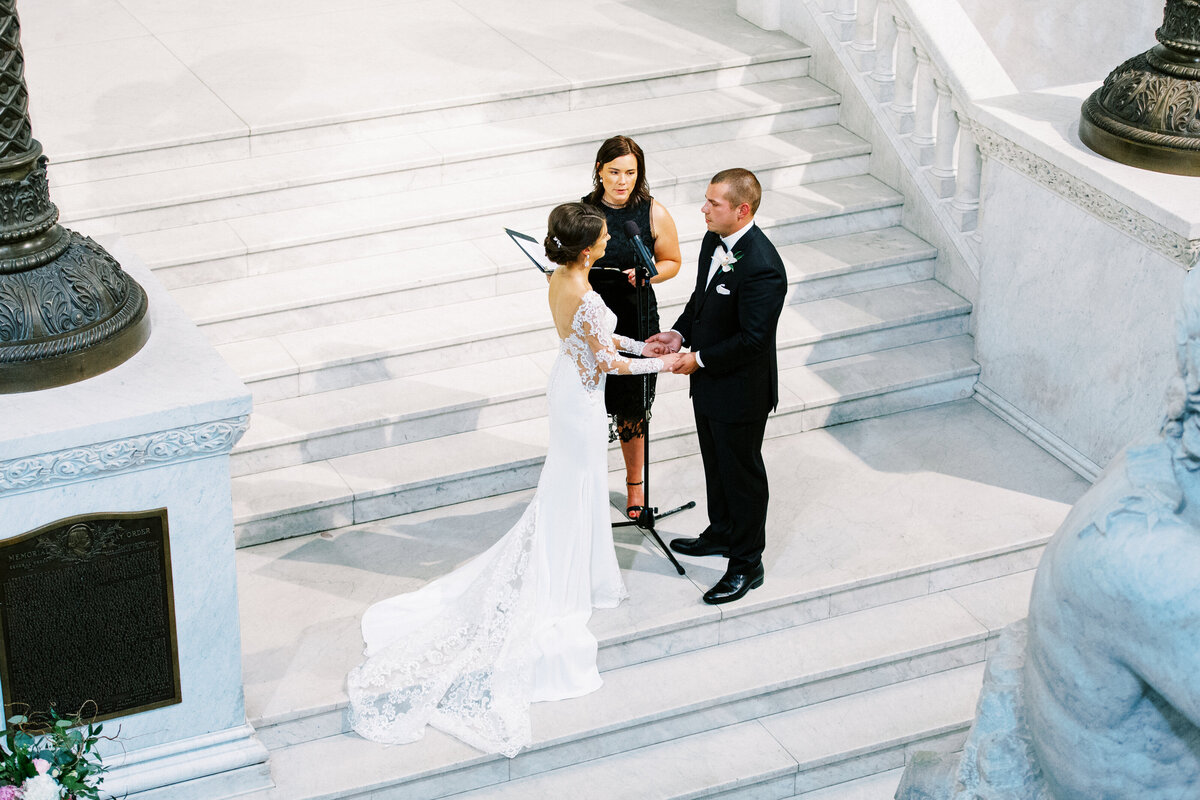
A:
(154, 432)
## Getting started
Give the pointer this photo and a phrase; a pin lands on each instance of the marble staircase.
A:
(357, 278)
(324, 281)
(896, 555)
(340, 243)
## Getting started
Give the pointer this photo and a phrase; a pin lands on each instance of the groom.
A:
(729, 324)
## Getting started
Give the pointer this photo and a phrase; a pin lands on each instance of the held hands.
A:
(662, 343)
(685, 364)
(670, 360)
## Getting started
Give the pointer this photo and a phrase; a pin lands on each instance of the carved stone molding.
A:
(1125, 219)
(119, 455)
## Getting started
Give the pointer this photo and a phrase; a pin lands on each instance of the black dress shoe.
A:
(734, 585)
(698, 547)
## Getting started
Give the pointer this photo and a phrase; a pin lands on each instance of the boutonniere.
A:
(727, 261)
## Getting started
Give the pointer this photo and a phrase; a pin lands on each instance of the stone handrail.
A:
(928, 74)
(926, 64)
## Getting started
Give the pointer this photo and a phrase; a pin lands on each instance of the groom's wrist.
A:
(699, 361)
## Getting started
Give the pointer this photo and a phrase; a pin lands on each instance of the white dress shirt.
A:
(718, 256)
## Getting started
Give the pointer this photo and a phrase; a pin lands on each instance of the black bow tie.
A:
(721, 243)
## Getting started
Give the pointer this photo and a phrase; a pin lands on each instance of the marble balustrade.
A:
(1046, 238)
(915, 84)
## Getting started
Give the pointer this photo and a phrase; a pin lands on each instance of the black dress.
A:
(623, 398)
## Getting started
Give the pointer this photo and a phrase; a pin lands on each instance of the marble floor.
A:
(113, 76)
(851, 504)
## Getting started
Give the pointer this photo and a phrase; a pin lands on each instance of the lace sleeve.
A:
(603, 345)
(627, 345)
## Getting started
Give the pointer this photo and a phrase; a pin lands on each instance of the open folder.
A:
(532, 248)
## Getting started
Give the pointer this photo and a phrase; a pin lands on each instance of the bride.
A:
(468, 652)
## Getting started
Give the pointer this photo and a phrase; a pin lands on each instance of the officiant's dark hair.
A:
(614, 148)
(572, 228)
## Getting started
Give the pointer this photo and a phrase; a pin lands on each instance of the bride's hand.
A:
(668, 360)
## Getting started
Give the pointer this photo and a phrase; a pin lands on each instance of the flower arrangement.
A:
(50, 758)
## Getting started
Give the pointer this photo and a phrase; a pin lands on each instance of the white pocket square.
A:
(722, 289)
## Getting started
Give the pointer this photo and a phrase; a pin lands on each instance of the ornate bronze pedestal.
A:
(67, 309)
(1147, 113)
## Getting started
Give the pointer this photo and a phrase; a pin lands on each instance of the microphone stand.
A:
(649, 515)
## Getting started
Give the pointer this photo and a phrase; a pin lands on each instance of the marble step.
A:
(607, 86)
(209, 192)
(374, 484)
(478, 395)
(388, 223)
(792, 752)
(341, 355)
(955, 521)
(880, 786)
(835, 700)
(319, 359)
(409, 278)
(327, 294)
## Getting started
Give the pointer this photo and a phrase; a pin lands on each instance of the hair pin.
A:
(557, 242)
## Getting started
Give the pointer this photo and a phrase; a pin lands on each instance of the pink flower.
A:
(41, 765)
(10, 793)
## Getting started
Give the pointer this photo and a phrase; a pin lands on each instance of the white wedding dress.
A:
(468, 652)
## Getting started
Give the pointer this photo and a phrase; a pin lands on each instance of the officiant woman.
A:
(621, 191)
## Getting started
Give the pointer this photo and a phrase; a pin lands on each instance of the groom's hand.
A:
(686, 364)
(665, 342)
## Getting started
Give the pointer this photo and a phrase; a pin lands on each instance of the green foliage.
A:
(66, 743)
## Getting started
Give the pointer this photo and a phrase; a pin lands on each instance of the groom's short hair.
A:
(742, 187)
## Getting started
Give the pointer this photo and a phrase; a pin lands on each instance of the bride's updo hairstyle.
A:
(571, 229)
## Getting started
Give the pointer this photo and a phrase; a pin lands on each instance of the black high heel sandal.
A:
(629, 510)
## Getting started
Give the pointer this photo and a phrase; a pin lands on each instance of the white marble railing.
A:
(933, 84)
(925, 64)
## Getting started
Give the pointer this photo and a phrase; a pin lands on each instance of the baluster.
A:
(942, 174)
(883, 77)
(843, 19)
(902, 108)
(922, 140)
(964, 208)
(862, 49)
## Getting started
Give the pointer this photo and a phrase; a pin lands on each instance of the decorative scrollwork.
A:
(1139, 102)
(1181, 26)
(65, 300)
(1154, 235)
(67, 310)
(1147, 113)
(105, 458)
(25, 207)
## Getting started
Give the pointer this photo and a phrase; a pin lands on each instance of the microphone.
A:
(631, 230)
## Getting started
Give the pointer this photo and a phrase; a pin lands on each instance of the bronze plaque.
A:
(87, 613)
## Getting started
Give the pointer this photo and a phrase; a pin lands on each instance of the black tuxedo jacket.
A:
(731, 323)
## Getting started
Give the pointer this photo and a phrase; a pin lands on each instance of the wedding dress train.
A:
(468, 652)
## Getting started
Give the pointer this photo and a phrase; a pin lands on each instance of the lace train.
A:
(468, 652)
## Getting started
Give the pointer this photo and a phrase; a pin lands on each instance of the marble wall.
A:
(1028, 37)
(1074, 321)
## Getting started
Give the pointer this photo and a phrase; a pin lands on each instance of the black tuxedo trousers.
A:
(731, 322)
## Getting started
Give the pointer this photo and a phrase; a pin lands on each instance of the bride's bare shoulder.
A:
(565, 302)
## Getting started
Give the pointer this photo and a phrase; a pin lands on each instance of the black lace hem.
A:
(625, 428)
